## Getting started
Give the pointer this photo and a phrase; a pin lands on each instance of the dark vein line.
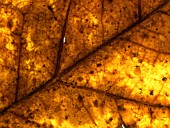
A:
(150, 113)
(157, 51)
(139, 10)
(114, 96)
(108, 42)
(59, 54)
(19, 59)
(28, 96)
(90, 115)
(163, 12)
(121, 119)
(102, 11)
(152, 31)
(19, 62)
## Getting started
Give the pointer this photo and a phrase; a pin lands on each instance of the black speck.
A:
(110, 119)
(91, 72)
(164, 79)
(151, 92)
(66, 117)
(166, 61)
(50, 8)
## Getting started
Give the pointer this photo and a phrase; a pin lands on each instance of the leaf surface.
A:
(100, 63)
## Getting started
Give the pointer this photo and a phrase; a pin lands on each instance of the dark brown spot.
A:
(80, 78)
(110, 1)
(31, 115)
(110, 119)
(66, 117)
(81, 29)
(145, 35)
(137, 67)
(166, 61)
(95, 103)
(27, 121)
(129, 46)
(54, 89)
(80, 98)
(50, 8)
(121, 108)
(166, 94)
(91, 72)
(106, 57)
(151, 112)
(140, 61)
(99, 65)
(10, 23)
(135, 54)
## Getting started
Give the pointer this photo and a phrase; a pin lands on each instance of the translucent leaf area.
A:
(84, 63)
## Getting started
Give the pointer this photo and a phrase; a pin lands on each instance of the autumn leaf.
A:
(70, 63)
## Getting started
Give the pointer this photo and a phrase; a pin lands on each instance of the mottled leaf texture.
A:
(84, 63)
